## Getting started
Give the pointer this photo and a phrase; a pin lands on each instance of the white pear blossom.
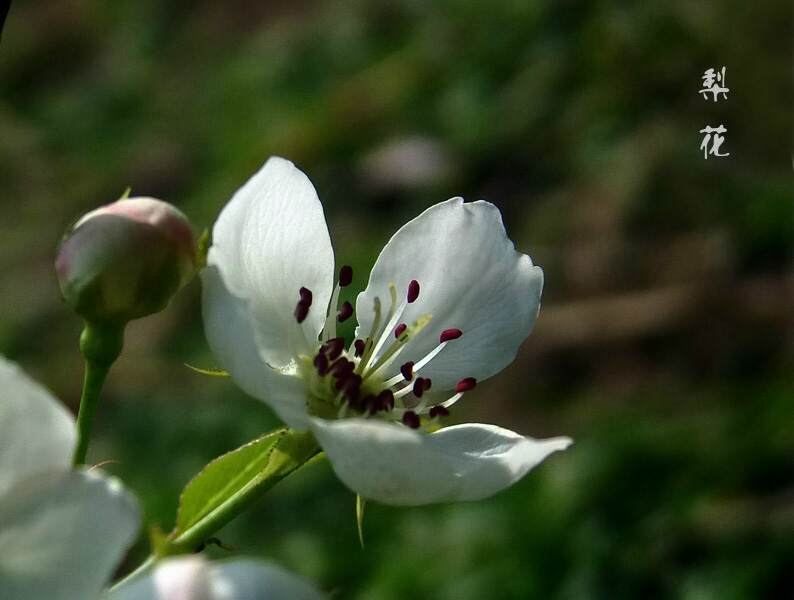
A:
(63, 531)
(196, 578)
(448, 303)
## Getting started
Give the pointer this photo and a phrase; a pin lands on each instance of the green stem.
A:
(101, 345)
(140, 571)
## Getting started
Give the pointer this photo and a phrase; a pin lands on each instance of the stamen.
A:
(411, 419)
(451, 401)
(350, 386)
(329, 328)
(428, 357)
(449, 334)
(399, 329)
(396, 348)
(407, 370)
(464, 385)
(375, 325)
(419, 387)
(393, 305)
(321, 364)
(333, 347)
(345, 312)
(345, 276)
(353, 403)
(413, 291)
(427, 383)
(386, 400)
(306, 295)
(359, 346)
(395, 317)
(404, 391)
(438, 411)
(301, 311)
(370, 404)
(341, 368)
(342, 410)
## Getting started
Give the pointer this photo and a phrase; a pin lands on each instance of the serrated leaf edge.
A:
(181, 527)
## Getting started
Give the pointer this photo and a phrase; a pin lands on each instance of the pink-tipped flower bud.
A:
(126, 260)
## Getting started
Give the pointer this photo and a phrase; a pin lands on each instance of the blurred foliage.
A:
(664, 345)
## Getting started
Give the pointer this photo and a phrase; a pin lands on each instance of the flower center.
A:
(352, 382)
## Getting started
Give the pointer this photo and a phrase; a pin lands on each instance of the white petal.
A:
(386, 462)
(195, 578)
(395, 465)
(249, 580)
(471, 278)
(37, 432)
(186, 578)
(227, 325)
(269, 241)
(62, 534)
(488, 459)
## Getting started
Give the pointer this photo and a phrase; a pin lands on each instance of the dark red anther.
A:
(345, 312)
(426, 383)
(370, 404)
(321, 363)
(354, 403)
(399, 329)
(301, 311)
(407, 370)
(359, 346)
(449, 334)
(341, 368)
(350, 385)
(345, 276)
(386, 400)
(333, 347)
(413, 291)
(411, 419)
(464, 385)
(306, 296)
(419, 387)
(438, 411)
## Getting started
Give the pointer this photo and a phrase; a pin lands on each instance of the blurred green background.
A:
(664, 347)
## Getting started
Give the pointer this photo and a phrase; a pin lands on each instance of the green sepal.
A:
(210, 372)
(204, 243)
(360, 504)
(159, 542)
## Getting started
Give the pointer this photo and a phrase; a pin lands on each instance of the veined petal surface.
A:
(471, 278)
(488, 459)
(386, 462)
(270, 240)
(230, 334)
(395, 465)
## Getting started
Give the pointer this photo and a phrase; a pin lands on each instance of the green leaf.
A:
(232, 482)
(222, 478)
